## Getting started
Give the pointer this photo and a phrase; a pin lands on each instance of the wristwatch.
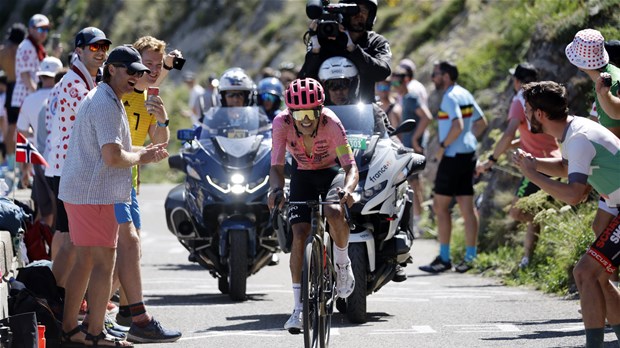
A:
(167, 67)
(162, 125)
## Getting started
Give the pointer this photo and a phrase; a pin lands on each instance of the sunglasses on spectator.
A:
(383, 88)
(234, 94)
(43, 30)
(130, 72)
(336, 85)
(96, 47)
(311, 114)
(268, 97)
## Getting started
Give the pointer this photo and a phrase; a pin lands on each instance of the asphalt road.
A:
(447, 310)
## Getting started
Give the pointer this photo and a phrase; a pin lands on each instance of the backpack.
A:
(38, 240)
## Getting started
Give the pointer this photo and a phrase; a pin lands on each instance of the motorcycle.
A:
(383, 232)
(220, 213)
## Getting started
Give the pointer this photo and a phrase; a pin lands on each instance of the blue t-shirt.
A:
(457, 102)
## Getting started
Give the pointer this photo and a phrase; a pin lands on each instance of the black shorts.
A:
(308, 185)
(606, 248)
(455, 175)
(62, 222)
(42, 193)
(526, 188)
(11, 112)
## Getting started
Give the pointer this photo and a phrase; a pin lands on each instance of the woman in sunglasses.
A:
(269, 96)
(315, 138)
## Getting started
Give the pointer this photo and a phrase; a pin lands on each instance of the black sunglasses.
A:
(130, 72)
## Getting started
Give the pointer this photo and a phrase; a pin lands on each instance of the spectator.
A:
(99, 161)
(460, 121)
(195, 93)
(540, 145)
(3, 91)
(412, 107)
(91, 46)
(29, 55)
(209, 97)
(414, 86)
(387, 102)
(369, 51)
(28, 123)
(15, 35)
(146, 116)
(589, 157)
(287, 72)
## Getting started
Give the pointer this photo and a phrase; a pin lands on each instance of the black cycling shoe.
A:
(400, 275)
(437, 266)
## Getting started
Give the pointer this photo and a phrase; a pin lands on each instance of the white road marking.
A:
(477, 328)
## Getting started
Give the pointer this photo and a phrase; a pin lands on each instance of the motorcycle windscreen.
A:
(359, 122)
(234, 122)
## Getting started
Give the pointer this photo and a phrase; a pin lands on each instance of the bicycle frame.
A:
(318, 279)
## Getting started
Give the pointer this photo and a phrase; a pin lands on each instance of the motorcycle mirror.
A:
(176, 162)
(186, 134)
(404, 127)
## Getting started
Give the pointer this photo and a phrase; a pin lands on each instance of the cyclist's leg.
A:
(603, 218)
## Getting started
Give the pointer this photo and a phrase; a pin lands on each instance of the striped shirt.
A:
(86, 179)
(457, 102)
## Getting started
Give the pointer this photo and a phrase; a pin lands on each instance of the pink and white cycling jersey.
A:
(330, 143)
(65, 99)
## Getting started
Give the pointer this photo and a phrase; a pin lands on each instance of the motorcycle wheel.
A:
(238, 265)
(356, 302)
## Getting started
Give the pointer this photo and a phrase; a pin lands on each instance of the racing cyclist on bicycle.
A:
(315, 138)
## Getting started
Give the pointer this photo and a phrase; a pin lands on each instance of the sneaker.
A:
(400, 275)
(464, 266)
(345, 280)
(437, 266)
(123, 320)
(152, 333)
(294, 324)
(110, 324)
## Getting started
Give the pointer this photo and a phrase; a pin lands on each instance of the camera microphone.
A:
(314, 9)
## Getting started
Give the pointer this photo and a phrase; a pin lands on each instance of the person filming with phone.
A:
(345, 29)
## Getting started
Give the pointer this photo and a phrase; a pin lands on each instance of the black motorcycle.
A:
(220, 213)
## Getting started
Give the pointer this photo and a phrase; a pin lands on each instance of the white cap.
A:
(49, 67)
(39, 20)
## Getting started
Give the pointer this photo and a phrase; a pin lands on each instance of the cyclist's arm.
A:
(276, 183)
(351, 178)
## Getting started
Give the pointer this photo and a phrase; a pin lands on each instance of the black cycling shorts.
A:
(606, 248)
(308, 185)
(62, 221)
(455, 175)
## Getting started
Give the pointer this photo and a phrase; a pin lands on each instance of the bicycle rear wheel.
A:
(311, 294)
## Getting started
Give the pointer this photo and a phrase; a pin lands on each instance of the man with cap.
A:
(91, 46)
(147, 116)
(15, 35)
(32, 109)
(414, 86)
(28, 57)
(540, 145)
(98, 162)
(415, 108)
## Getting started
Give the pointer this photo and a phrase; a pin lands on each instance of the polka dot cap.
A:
(587, 51)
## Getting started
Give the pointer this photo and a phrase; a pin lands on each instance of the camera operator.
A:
(354, 40)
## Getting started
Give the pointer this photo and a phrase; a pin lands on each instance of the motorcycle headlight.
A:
(375, 190)
(237, 179)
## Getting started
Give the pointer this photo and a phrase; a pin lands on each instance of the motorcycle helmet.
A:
(304, 94)
(235, 79)
(372, 12)
(340, 68)
(270, 88)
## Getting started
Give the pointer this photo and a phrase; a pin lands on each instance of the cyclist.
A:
(315, 138)
(590, 155)
(269, 96)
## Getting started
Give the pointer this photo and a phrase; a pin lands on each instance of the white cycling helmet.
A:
(235, 79)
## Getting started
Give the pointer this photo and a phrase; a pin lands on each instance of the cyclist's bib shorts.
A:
(606, 248)
(308, 185)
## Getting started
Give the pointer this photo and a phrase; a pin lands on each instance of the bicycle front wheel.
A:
(311, 294)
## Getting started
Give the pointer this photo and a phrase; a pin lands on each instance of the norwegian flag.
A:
(26, 152)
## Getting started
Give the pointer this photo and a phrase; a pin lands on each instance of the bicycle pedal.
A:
(294, 331)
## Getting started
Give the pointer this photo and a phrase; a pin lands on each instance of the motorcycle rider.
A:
(340, 78)
(269, 96)
(314, 136)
